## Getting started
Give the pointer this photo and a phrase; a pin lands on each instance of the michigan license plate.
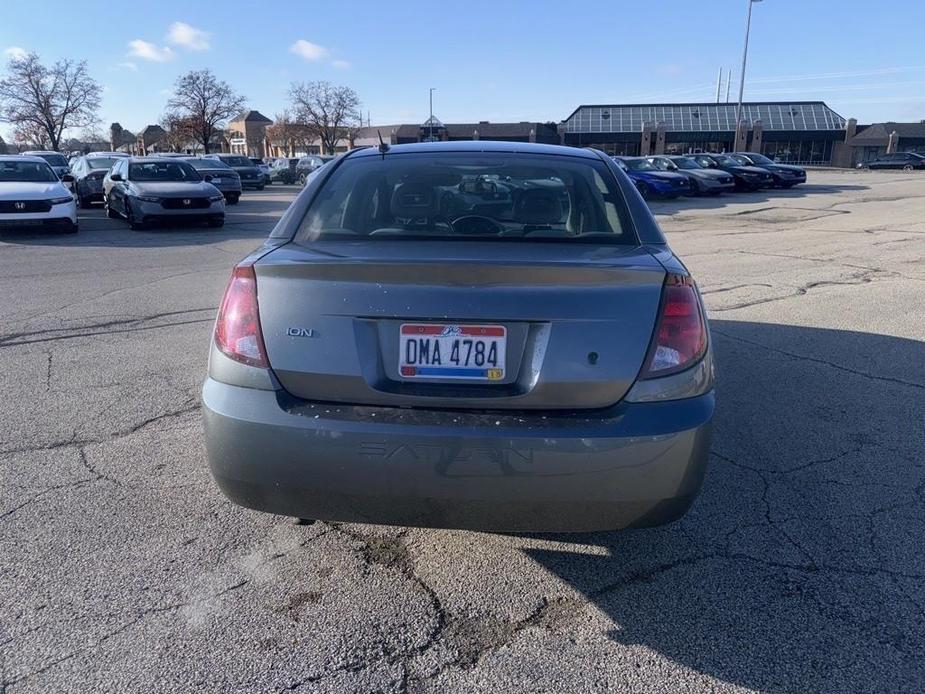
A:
(470, 352)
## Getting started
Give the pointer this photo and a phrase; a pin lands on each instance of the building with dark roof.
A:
(805, 132)
(247, 134)
(872, 141)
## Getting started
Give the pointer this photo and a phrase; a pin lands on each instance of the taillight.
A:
(680, 338)
(237, 330)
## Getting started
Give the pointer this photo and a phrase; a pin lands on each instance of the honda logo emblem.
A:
(19, 205)
(187, 201)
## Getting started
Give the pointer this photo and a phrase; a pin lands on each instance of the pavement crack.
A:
(82, 456)
(817, 360)
(112, 327)
(189, 405)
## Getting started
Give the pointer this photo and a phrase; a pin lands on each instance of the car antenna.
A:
(383, 147)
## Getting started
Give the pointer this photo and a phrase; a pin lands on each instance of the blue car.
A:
(650, 181)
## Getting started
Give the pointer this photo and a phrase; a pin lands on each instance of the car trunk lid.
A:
(577, 319)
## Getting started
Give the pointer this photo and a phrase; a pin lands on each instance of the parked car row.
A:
(707, 174)
(290, 170)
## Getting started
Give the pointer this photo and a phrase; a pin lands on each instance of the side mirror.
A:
(67, 178)
(115, 177)
(208, 178)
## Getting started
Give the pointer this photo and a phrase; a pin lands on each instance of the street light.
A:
(430, 121)
(748, 26)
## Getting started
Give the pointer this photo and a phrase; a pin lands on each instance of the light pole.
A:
(748, 26)
(430, 121)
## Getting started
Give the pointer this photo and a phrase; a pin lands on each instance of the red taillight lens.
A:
(237, 330)
(680, 332)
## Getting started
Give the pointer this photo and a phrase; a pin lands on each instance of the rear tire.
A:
(233, 198)
(908, 167)
(110, 213)
(216, 223)
(302, 178)
(260, 187)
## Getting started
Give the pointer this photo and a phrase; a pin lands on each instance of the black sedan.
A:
(250, 175)
(907, 161)
(219, 175)
(746, 177)
(283, 170)
(785, 175)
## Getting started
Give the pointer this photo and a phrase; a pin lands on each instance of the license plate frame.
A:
(432, 356)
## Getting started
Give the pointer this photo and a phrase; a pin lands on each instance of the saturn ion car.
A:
(151, 190)
(483, 335)
(33, 197)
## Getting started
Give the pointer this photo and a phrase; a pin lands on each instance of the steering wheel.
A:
(476, 224)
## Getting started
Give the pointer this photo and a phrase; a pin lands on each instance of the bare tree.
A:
(36, 98)
(327, 108)
(207, 102)
(32, 134)
(178, 129)
(291, 135)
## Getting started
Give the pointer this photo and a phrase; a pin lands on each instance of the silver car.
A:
(151, 190)
(483, 335)
(703, 181)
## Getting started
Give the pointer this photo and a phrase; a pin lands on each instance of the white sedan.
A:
(32, 196)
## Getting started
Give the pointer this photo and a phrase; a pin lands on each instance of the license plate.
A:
(470, 352)
(216, 180)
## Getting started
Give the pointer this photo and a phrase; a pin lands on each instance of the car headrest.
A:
(537, 206)
(414, 200)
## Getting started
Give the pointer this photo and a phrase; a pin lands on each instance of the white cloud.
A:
(308, 50)
(148, 51)
(182, 34)
(128, 65)
(340, 64)
(15, 53)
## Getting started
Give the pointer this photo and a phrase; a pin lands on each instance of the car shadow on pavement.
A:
(800, 567)
(680, 205)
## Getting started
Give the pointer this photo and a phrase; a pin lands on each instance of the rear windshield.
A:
(237, 161)
(461, 196)
(54, 159)
(26, 172)
(207, 164)
(162, 171)
(102, 162)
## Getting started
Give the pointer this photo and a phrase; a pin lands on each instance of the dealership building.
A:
(800, 132)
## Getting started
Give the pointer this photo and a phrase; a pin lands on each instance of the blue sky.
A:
(488, 60)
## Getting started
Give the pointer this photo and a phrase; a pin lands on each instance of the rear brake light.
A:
(237, 330)
(680, 338)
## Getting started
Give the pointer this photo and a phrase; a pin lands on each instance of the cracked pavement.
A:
(799, 568)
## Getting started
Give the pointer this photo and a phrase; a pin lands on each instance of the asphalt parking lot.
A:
(800, 567)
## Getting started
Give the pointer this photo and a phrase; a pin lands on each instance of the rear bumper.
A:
(633, 465)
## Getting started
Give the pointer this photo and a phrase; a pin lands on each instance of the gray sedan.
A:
(703, 181)
(481, 335)
(219, 175)
(150, 190)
